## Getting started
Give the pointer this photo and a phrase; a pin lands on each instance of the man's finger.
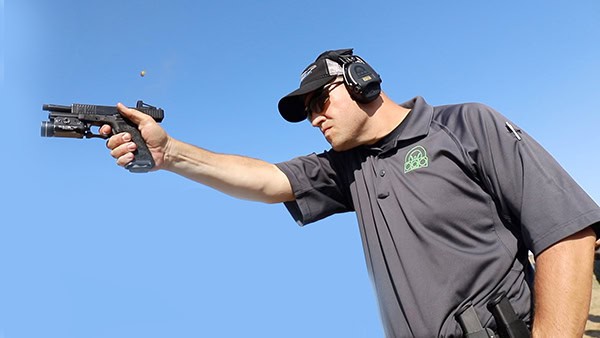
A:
(116, 140)
(105, 130)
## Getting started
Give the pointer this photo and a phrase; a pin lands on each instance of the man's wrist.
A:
(170, 154)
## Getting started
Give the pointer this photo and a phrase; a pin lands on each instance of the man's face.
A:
(337, 115)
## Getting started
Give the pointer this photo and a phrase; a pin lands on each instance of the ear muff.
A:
(363, 83)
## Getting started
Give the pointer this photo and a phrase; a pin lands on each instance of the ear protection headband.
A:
(363, 83)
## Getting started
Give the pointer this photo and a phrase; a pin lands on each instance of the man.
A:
(449, 200)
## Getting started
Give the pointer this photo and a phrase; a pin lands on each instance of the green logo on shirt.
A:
(416, 159)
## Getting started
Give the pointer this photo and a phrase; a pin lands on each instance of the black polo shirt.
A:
(448, 205)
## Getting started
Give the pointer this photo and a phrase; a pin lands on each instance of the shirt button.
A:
(382, 173)
(383, 195)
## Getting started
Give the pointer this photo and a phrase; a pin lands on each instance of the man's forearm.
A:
(563, 284)
(238, 176)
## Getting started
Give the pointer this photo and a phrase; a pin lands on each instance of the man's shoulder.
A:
(464, 108)
(464, 113)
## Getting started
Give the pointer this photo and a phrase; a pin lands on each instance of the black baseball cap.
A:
(319, 73)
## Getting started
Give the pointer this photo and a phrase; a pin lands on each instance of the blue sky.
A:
(88, 250)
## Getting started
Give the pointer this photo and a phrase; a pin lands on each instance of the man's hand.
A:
(121, 145)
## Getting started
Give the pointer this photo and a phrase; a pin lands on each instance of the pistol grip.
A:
(143, 160)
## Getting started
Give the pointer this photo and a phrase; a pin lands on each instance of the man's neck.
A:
(388, 116)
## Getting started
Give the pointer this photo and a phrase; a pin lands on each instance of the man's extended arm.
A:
(563, 284)
(237, 176)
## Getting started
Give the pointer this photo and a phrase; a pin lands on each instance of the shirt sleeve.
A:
(533, 191)
(317, 188)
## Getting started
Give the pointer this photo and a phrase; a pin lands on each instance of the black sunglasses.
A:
(317, 101)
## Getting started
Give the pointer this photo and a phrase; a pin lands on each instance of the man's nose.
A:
(317, 119)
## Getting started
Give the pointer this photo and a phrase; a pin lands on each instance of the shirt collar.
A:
(416, 124)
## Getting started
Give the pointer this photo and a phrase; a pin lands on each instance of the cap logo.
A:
(307, 72)
(334, 68)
